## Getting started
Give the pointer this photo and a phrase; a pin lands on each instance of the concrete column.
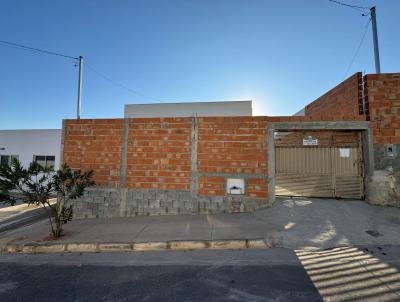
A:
(124, 154)
(194, 184)
(63, 129)
(368, 151)
(123, 169)
(271, 163)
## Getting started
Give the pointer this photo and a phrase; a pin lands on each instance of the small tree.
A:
(38, 184)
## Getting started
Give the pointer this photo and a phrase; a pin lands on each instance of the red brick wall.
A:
(343, 100)
(211, 186)
(382, 102)
(232, 145)
(159, 152)
(316, 118)
(382, 93)
(257, 188)
(325, 138)
(95, 145)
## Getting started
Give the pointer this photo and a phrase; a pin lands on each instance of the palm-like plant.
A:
(38, 184)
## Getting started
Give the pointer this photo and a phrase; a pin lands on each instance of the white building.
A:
(237, 108)
(42, 145)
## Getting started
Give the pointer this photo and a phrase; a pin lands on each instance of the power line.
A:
(118, 84)
(18, 46)
(33, 49)
(12, 45)
(358, 8)
(358, 47)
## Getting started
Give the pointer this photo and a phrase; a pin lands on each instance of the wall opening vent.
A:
(235, 186)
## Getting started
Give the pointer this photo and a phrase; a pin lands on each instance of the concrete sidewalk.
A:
(292, 223)
(7, 211)
(13, 217)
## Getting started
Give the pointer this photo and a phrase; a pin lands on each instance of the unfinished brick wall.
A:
(257, 187)
(343, 100)
(159, 151)
(325, 138)
(382, 93)
(145, 166)
(316, 118)
(158, 155)
(232, 146)
(95, 145)
(211, 186)
(181, 165)
(380, 96)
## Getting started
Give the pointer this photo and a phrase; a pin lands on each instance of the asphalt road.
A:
(248, 275)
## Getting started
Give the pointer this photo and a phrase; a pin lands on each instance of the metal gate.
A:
(319, 172)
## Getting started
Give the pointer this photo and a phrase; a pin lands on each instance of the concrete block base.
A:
(101, 202)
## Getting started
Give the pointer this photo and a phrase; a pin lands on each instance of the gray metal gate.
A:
(319, 172)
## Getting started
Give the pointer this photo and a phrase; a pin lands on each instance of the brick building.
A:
(345, 146)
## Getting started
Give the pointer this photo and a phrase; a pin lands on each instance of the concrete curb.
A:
(137, 246)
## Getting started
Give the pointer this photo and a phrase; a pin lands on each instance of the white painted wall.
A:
(238, 108)
(27, 143)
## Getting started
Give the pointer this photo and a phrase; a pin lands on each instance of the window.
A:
(5, 160)
(46, 161)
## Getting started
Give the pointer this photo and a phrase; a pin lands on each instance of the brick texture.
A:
(343, 100)
(231, 145)
(325, 138)
(210, 186)
(317, 118)
(257, 187)
(382, 92)
(95, 145)
(159, 152)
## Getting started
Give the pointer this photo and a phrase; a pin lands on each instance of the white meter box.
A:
(235, 186)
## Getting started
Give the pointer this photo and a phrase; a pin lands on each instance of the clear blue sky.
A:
(280, 54)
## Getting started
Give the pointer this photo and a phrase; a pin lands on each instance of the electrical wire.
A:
(8, 44)
(118, 84)
(33, 49)
(358, 47)
(358, 8)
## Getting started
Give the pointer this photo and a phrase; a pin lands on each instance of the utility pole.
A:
(375, 39)
(78, 107)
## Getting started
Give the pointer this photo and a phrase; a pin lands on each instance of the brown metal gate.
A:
(319, 172)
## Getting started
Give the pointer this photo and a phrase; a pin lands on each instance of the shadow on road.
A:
(352, 274)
